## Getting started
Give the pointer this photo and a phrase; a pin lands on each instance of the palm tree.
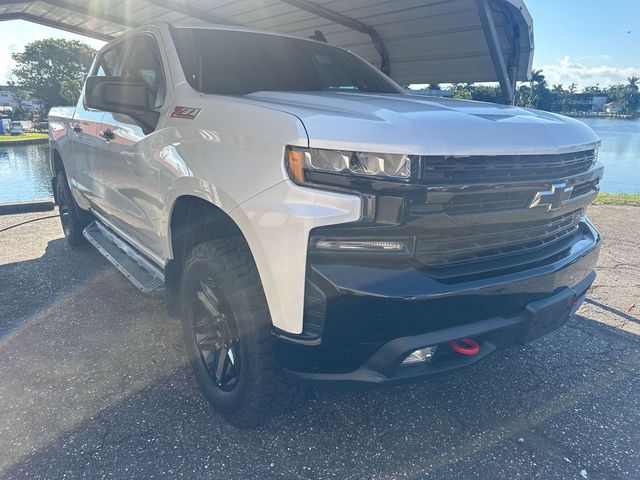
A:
(538, 85)
(537, 77)
(557, 89)
(593, 89)
(633, 82)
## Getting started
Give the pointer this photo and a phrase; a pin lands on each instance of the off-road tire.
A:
(261, 389)
(72, 223)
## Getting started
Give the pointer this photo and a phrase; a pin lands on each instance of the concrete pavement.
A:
(93, 384)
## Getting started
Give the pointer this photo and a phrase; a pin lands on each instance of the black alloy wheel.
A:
(216, 336)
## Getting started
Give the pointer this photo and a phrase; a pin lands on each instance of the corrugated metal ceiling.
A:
(428, 41)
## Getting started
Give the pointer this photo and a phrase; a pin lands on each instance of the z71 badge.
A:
(188, 113)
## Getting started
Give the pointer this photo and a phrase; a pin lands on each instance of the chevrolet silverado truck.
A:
(312, 223)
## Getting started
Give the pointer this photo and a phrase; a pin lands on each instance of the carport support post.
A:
(495, 50)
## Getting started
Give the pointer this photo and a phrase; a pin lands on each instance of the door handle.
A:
(108, 135)
(77, 129)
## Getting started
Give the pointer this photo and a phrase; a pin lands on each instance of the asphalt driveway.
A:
(93, 383)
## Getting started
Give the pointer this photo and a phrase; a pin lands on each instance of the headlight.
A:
(334, 166)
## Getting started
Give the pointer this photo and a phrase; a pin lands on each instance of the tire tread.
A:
(78, 224)
(271, 393)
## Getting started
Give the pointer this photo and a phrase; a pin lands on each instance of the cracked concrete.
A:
(93, 384)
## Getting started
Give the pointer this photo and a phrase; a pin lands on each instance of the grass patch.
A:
(24, 136)
(619, 199)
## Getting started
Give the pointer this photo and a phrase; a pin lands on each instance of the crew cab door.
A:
(86, 143)
(128, 165)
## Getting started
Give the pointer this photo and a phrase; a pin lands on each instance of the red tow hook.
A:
(466, 346)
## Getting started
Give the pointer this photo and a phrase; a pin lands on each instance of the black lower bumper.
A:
(384, 366)
(374, 316)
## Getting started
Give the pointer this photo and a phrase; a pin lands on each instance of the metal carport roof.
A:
(415, 41)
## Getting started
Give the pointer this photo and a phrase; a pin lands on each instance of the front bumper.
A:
(373, 316)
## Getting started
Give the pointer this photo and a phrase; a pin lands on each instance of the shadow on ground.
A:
(35, 284)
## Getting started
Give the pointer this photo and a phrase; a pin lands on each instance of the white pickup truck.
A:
(310, 221)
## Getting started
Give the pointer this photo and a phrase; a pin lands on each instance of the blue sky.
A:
(581, 41)
(586, 41)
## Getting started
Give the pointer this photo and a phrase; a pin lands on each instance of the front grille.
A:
(584, 189)
(442, 170)
(478, 185)
(480, 249)
(475, 217)
(487, 202)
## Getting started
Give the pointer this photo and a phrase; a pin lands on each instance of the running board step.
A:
(140, 271)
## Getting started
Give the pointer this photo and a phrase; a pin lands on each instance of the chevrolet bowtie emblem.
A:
(552, 199)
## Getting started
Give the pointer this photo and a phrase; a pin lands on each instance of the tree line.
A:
(537, 94)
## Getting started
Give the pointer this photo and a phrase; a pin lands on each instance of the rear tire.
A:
(72, 224)
(227, 333)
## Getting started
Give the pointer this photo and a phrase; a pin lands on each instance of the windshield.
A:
(237, 63)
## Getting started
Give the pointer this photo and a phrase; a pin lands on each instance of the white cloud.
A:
(567, 71)
(594, 57)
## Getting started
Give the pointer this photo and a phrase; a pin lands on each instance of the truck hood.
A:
(413, 124)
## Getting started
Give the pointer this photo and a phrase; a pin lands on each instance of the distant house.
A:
(613, 107)
(577, 102)
(599, 101)
(8, 99)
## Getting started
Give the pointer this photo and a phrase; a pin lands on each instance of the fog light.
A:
(362, 245)
(422, 355)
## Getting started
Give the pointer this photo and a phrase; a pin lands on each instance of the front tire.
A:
(227, 333)
(72, 224)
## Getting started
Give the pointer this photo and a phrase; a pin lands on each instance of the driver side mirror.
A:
(114, 95)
